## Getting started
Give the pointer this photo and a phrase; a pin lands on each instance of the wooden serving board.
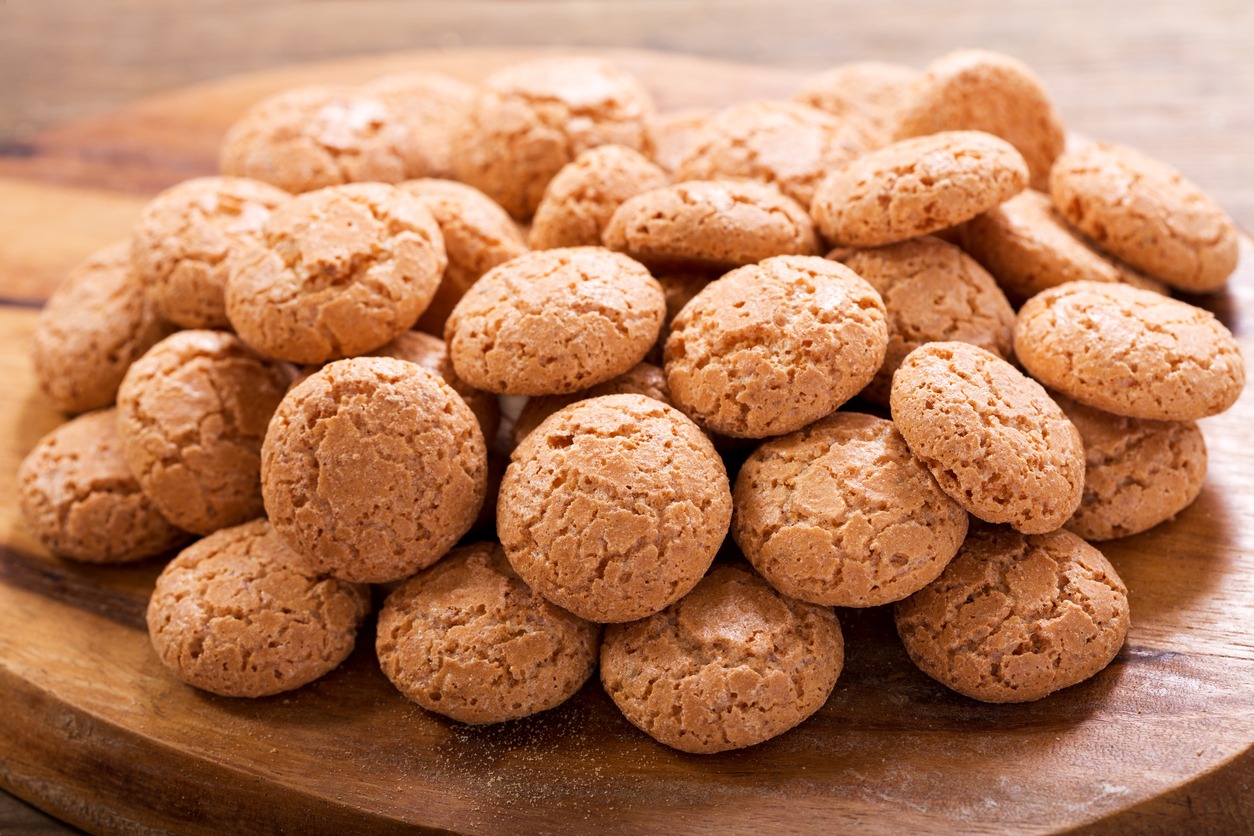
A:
(94, 731)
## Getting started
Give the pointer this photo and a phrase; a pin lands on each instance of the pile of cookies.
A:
(303, 362)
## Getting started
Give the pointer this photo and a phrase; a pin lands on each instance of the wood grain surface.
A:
(96, 733)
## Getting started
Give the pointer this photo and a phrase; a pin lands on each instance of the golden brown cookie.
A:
(429, 107)
(1138, 473)
(1015, 618)
(469, 640)
(581, 197)
(93, 327)
(239, 615)
(555, 321)
(186, 234)
(338, 272)
(841, 514)
(865, 93)
(478, 235)
(774, 346)
(673, 132)
(917, 186)
(716, 223)
(641, 379)
(530, 119)
(192, 413)
(732, 664)
(614, 507)
(1146, 213)
(789, 145)
(80, 501)
(1130, 351)
(932, 291)
(373, 468)
(992, 438)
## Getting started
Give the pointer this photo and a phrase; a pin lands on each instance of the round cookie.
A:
(978, 90)
(469, 640)
(373, 468)
(841, 514)
(80, 501)
(1146, 213)
(774, 346)
(429, 107)
(186, 234)
(865, 93)
(789, 145)
(1014, 618)
(732, 664)
(581, 197)
(1130, 351)
(917, 186)
(192, 413)
(530, 119)
(614, 507)
(93, 327)
(1138, 473)
(641, 379)
(932, 291)
(239, 615)
(715, 223)
(993, 439)
(338, 272)
(673, 132)
(555, 321)
(478, 235)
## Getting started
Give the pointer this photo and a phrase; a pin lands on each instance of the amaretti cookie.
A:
(239, 615)
(992, 437)
(673, 133)
(715, 223)
(184, 238)
(469, 640)
(429, 108)
(1146, 213)
(866, 93)
(530, 119)
(555, 321)
(641, 379)
(841, 514)
(338, 272)
(192, 413)
(80, 501)
(614, 507)
(1130, 351)
(1014, 618)
(917, 186)
(772, 347)
(93, 327)
(732, 664)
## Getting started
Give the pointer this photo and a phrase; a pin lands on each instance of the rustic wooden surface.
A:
(97, 734)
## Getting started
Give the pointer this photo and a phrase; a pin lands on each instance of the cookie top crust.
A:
(641, 379)
(429, 107)
(867, 93)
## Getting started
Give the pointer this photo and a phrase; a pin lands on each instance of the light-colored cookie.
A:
(1138, 473)
(1130, 351)
(80, 501)
(478, 235)
(866, 93)
(673, 133)
(1014, 618)
(614, 507)
(789, 145)
(731, 665)
(469, 640)
(373, 468)
(932, 291)
(841, 514)
(641, 379)
(430, 107)
(555, 321)
(192, 413)
(530, 119)
(917, 186)
(774, 346)
(338, 272)
(715, 223)
(239, 615)
(580, 199)
(93, 327)
(184, 238)
(1146, 213)
(993, 438)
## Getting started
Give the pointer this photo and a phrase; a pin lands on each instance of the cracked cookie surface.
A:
(868, 93)
(429, 108)
(641, 379)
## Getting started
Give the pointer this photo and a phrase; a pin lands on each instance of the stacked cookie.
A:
(861, 424)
